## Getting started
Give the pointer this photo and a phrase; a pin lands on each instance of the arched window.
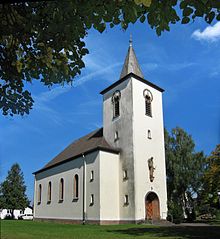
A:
(116, 135)
(125, 175)
(76, 187)
(49, 193)
(126, 202)
(148, 99)
(39, 194)
(91, 176)
(116, 103)
(91, 200)
(61, 192)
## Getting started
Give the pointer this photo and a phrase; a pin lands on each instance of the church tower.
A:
(133, 123)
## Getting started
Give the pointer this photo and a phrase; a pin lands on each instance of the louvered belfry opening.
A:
(117, 109)
(116, 103)
(148, 110)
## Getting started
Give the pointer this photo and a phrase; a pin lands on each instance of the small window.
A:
(116, 135)
(125, 175)
(76, 187)
(126, 200)
(49, 193)
(61, 190)
(149, 134)
(92, 199)
(91, 176)
(116, 103)
(39, 194)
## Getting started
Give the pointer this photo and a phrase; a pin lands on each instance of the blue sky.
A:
(185, 62)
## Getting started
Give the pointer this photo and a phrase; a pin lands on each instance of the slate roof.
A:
(131, 64)
(87, 144)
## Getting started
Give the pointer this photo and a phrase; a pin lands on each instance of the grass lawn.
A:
(43, 230)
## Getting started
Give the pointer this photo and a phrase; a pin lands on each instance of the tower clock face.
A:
(148, 95)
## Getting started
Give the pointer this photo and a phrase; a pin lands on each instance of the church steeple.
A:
(131, 64)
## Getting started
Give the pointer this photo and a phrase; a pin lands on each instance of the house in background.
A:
(17, 212)
(115, 174)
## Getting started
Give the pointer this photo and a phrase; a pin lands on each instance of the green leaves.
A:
(211, 179)
(187, 11)
(100, 27)
(146, 3)
(185, 20)
(142, 18)
(209, 9)
(209, 17)
(184, 166)
(19, 66)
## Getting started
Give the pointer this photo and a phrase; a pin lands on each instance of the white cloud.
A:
(52, 94)
(210, 33)
(178, 66)
(94, 75)
(150, 66)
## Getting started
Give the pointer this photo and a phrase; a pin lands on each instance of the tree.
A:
(211, 180)
(44, 40)
(12, 190)
(184, 171)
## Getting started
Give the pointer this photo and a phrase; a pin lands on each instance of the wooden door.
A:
(152, 207)
(149, 210)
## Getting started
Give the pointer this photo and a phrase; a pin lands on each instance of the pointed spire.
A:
(131, 64)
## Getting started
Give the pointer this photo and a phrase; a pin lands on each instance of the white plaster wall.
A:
(145, 148)
(109, 186)
(93, 187)
(122, 124)
(69, 208)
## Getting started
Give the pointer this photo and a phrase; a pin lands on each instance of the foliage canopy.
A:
(184, 171)
(211, 179)
(44, 40)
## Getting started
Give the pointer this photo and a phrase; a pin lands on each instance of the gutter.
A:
(105, 149)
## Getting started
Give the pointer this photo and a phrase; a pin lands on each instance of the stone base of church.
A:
(97, 222)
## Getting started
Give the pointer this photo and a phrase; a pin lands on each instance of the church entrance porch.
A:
(152, 207)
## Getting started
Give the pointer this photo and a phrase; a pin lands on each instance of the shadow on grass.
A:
(186, 232)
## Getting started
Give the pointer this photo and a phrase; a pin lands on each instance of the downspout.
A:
(84, 189)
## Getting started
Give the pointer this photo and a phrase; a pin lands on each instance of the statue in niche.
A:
(151, 168)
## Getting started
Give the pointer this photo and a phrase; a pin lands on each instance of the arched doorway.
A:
(152, 206)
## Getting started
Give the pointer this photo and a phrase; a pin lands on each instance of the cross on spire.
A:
(130, 40)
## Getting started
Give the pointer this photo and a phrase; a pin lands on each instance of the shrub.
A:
(175, 213)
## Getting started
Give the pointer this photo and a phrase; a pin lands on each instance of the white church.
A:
(115, 174)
